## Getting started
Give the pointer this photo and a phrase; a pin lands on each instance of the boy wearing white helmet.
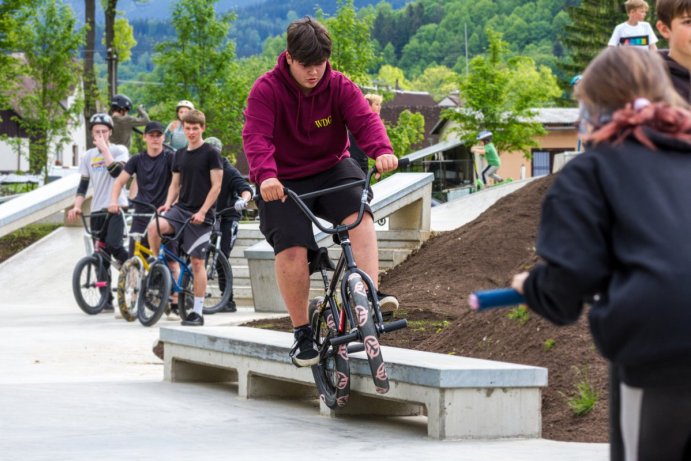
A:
(100, 166)
(174, 135)
(491, 156)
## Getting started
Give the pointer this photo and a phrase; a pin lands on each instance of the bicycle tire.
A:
(129, 286)
(186, 296)
(90, 284)
(219, 281)
(332, 373)
(360, 304)
(153, 297)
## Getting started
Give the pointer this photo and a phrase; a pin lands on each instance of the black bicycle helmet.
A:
(101, 119)
(121, 102)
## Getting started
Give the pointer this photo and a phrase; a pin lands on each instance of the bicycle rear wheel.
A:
(332, 373)
(219, 281)
(360, 304)
(186, 296)
(90, 284)
(153, 297)
(129, 286)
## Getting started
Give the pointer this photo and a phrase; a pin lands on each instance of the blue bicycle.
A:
(160, 283)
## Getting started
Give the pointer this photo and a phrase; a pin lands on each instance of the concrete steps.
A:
(394, 248)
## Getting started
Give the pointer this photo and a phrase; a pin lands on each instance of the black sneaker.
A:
(229, 307)
(304, 352)
(387, 303)
(193, 320)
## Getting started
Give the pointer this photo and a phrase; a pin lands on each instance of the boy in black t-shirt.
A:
(152, 169)
(196, 183)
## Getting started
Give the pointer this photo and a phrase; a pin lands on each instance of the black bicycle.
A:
(91, 280)
(356, 318)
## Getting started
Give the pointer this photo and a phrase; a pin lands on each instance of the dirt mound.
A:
(433, 285)
(485, 254)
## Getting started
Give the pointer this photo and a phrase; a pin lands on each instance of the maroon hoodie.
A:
(290, 135)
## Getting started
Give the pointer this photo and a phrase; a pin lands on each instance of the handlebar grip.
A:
(488, 299)
(403, 162)
(343, 339)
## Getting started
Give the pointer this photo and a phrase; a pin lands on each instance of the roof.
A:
(433, 149)
(548, 116)
(410, 98)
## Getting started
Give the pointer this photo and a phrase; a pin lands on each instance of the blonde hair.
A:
(625, 88)
(373, 98)
(631, 5)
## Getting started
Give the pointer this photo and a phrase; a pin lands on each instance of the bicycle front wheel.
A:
(153, 297)
(332, 373)
(90, 284)
(129, 286)
(219, 281)
(360, 304)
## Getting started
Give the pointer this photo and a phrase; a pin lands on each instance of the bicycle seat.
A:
(320, 261)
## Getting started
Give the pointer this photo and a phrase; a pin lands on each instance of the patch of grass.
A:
(549, 344)
(585, 398)
(519, 314)
(423, 325)
(21, 238)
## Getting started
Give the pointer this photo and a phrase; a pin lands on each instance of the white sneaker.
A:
(172, 316)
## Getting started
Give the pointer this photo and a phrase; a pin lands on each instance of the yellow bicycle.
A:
(131, 275)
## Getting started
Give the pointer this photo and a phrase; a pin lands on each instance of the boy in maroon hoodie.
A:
(295, 136)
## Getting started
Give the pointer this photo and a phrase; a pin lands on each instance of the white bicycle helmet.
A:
(101, 119)
(484, 135)
(184, 103)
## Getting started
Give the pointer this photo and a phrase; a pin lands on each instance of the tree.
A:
(353, 51)
(50, 70)
(500, 95)
(12, 14)
(123, 39)
(89, 75)
(592, 23)
(439, 81)
(110, 12)
(393, 77)
(201, 66)
(408, 130)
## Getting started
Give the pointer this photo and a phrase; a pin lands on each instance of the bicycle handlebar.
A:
(156, 215)
(298, 199)
(87, 227)
(488, 299)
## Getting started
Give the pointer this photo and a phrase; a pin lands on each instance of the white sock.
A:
(199, 305)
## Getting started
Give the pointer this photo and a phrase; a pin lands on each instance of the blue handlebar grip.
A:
(488, 299)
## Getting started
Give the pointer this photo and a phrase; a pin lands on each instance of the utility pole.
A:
(112, 73)
(465, 27)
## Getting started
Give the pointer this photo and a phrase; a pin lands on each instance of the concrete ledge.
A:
(38, 204)
(461, 397)
(405, 198)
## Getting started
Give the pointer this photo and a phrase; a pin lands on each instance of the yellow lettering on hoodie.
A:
(323, 122)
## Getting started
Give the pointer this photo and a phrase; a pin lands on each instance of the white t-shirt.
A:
(93, 166)
(641, 35)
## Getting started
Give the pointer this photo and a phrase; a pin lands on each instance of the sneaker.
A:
(158, 349)
(387, 302)
(304, 352)
(172, 313)
(193, 320)
(108, 308)
(230, 307)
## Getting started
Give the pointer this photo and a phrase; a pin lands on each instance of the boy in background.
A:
(635, 31)
(674, 24)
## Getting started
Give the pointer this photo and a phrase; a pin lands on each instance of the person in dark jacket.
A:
(673, 24)
(235, 194)
(614, 230)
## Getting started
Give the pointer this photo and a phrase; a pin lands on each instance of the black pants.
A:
(111, 230)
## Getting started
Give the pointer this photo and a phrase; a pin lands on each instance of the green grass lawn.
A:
(22, 238)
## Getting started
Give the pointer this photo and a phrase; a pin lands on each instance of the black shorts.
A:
(195, 237)
(284, 225)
